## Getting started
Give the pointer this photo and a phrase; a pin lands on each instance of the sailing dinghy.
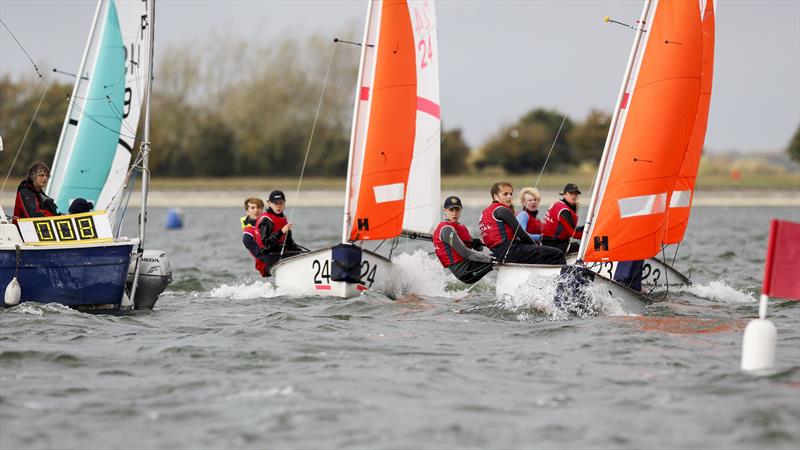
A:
(393, 173)
(78, 260)
(655, 139)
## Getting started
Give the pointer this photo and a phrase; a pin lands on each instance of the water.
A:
(227, 360)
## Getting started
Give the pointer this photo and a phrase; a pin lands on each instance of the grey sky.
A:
(499, 58)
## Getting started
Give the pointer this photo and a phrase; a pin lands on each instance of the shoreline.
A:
(170, 198)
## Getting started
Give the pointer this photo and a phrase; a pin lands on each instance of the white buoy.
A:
(759, 342)
(13, 293)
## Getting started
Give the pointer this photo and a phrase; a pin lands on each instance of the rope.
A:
(311, 136)
(536, 185)
(24, 137)
(35, 113)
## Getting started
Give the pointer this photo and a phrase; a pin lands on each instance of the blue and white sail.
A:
(94, 150)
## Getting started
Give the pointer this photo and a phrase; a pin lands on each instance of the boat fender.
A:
(758, 345)
(571, 293)
(13, 293)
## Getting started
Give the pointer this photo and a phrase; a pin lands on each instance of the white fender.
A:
(13, 293)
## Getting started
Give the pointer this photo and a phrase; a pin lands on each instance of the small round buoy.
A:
(758, 345)
(174, 219)
(13, 293)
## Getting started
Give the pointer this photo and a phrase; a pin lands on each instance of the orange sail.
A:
(646, 148)
(680, 204)
(399, 163)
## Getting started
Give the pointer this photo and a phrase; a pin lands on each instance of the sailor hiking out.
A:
(455, 247)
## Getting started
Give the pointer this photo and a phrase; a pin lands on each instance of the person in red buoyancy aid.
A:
(254, 207)
(530, 198)
(274, 233)
(455, 247)
(560, 223)
(31, 200)
(505, 237)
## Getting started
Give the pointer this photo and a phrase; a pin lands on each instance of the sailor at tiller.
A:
(274, 232)
(560, 223)
(31, 200)
(254, 207)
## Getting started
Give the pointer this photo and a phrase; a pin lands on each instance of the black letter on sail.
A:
(600, 243)
(363, 224)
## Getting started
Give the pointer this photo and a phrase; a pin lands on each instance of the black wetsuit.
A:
(523, 249)
(475, 264)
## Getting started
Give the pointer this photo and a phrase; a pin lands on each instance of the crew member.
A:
(31, 200)
(560, 223)
(505, 237)
(274, 232)
(455, 247)
(254, 207)
(529, 198)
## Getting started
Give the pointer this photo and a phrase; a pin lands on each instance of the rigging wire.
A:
(311, 136)
(558, 133)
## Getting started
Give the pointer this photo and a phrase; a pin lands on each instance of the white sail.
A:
(422, 210)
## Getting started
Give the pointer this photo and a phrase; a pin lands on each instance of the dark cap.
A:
(452, 201)
(570, 187)
(276, 195)
(80, 205)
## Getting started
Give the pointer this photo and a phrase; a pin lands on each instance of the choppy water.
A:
(226, 360)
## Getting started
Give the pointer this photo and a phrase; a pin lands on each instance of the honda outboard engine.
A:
(154, 276)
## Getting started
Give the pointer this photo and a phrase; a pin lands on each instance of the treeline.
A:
(230, 108)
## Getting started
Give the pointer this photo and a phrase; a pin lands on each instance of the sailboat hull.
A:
(522, 279)
(309, 274)
(656, 274)
(78, 276)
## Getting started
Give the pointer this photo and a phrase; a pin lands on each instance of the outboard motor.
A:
(572, 294)
(346, 263)
(154, 276)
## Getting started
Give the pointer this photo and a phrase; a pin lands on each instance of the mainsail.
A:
(680, 204)
(393, 176)
(649, 137)
(94, 149)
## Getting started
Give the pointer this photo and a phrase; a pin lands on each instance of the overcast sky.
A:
(498, 59)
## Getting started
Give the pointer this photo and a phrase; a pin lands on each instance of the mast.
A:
(146, 135)
(346, 219)
(145, 147)
(601, 168)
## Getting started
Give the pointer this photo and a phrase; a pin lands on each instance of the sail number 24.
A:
(322, 272)
(423, 27)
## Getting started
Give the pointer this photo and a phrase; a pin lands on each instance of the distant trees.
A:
(455, 153)
(227, 107)
(18, 102)
(794, 146)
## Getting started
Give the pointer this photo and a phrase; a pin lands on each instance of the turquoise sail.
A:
(101, 119)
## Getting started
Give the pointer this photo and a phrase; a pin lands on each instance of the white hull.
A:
(655, 273)
(309, 274)
(517, 280)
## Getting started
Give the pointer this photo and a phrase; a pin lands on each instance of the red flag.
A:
(782, 268)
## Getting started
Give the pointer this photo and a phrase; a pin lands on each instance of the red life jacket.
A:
(444, 252)
(493, 231)
(278, 222)
(250, 229)
(19, 206)
(534, 224)
(552, 226)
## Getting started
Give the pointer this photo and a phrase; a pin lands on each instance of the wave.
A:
(419, 273)
(719, 291)
(244, 291)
